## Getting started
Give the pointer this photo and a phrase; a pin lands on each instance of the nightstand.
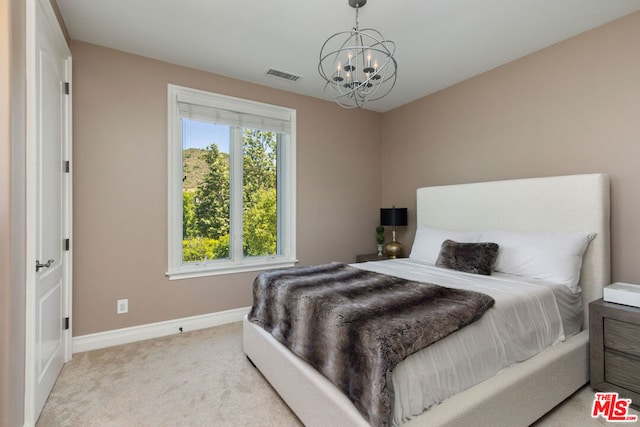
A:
(614, 345)
(370, 257)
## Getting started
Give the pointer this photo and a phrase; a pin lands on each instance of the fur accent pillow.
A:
(428, 241)
(475, 258)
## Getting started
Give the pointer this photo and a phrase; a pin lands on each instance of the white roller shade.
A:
(276, 121)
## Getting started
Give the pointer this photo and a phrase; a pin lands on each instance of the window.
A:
(231, 184)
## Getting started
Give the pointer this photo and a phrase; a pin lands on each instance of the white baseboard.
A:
(155, 330)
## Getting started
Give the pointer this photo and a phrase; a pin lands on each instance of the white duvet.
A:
(527, 317)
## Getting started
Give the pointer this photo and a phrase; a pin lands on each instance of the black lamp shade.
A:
(393, 216)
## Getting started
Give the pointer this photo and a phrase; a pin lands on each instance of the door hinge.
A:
(66, 88)
(66, 244)
(67, 166)
(66, 323)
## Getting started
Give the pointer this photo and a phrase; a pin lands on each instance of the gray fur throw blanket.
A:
(355, 326)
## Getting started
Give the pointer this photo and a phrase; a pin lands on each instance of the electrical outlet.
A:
(123, 306)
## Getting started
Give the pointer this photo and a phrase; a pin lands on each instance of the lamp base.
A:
(393, 249)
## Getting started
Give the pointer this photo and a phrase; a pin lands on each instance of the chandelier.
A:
(358, 65)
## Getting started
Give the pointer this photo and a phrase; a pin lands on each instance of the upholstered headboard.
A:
(559, 204)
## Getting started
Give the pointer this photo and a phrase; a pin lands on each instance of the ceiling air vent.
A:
(283, 75)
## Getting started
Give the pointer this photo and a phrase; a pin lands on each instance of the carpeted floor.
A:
(199, 378)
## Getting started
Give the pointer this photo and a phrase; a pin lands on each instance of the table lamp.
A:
(393, 217)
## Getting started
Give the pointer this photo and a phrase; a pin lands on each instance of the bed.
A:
(519, 394)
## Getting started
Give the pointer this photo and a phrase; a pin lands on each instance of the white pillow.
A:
(428, 241)
(553, 257)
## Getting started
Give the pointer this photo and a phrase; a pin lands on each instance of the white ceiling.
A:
(438, 42)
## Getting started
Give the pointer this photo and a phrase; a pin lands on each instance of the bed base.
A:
(518, 395)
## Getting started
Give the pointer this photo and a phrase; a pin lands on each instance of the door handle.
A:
(47, 265)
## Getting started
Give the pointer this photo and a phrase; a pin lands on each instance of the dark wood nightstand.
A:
(614, 344)
(370, 257)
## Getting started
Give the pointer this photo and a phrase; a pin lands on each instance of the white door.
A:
(51, 284)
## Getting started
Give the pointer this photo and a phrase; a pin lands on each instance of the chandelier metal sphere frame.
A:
(357, 65)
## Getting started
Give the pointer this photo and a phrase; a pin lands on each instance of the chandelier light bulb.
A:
(368, 68)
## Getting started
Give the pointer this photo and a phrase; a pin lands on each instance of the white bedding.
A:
(527, 317)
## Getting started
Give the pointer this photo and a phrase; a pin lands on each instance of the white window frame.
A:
(286, 188)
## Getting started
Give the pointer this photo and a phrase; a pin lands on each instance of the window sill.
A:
(229, 269)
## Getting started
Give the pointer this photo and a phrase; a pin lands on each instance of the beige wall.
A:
(12, 211)
(120, 189)
(571, 108)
